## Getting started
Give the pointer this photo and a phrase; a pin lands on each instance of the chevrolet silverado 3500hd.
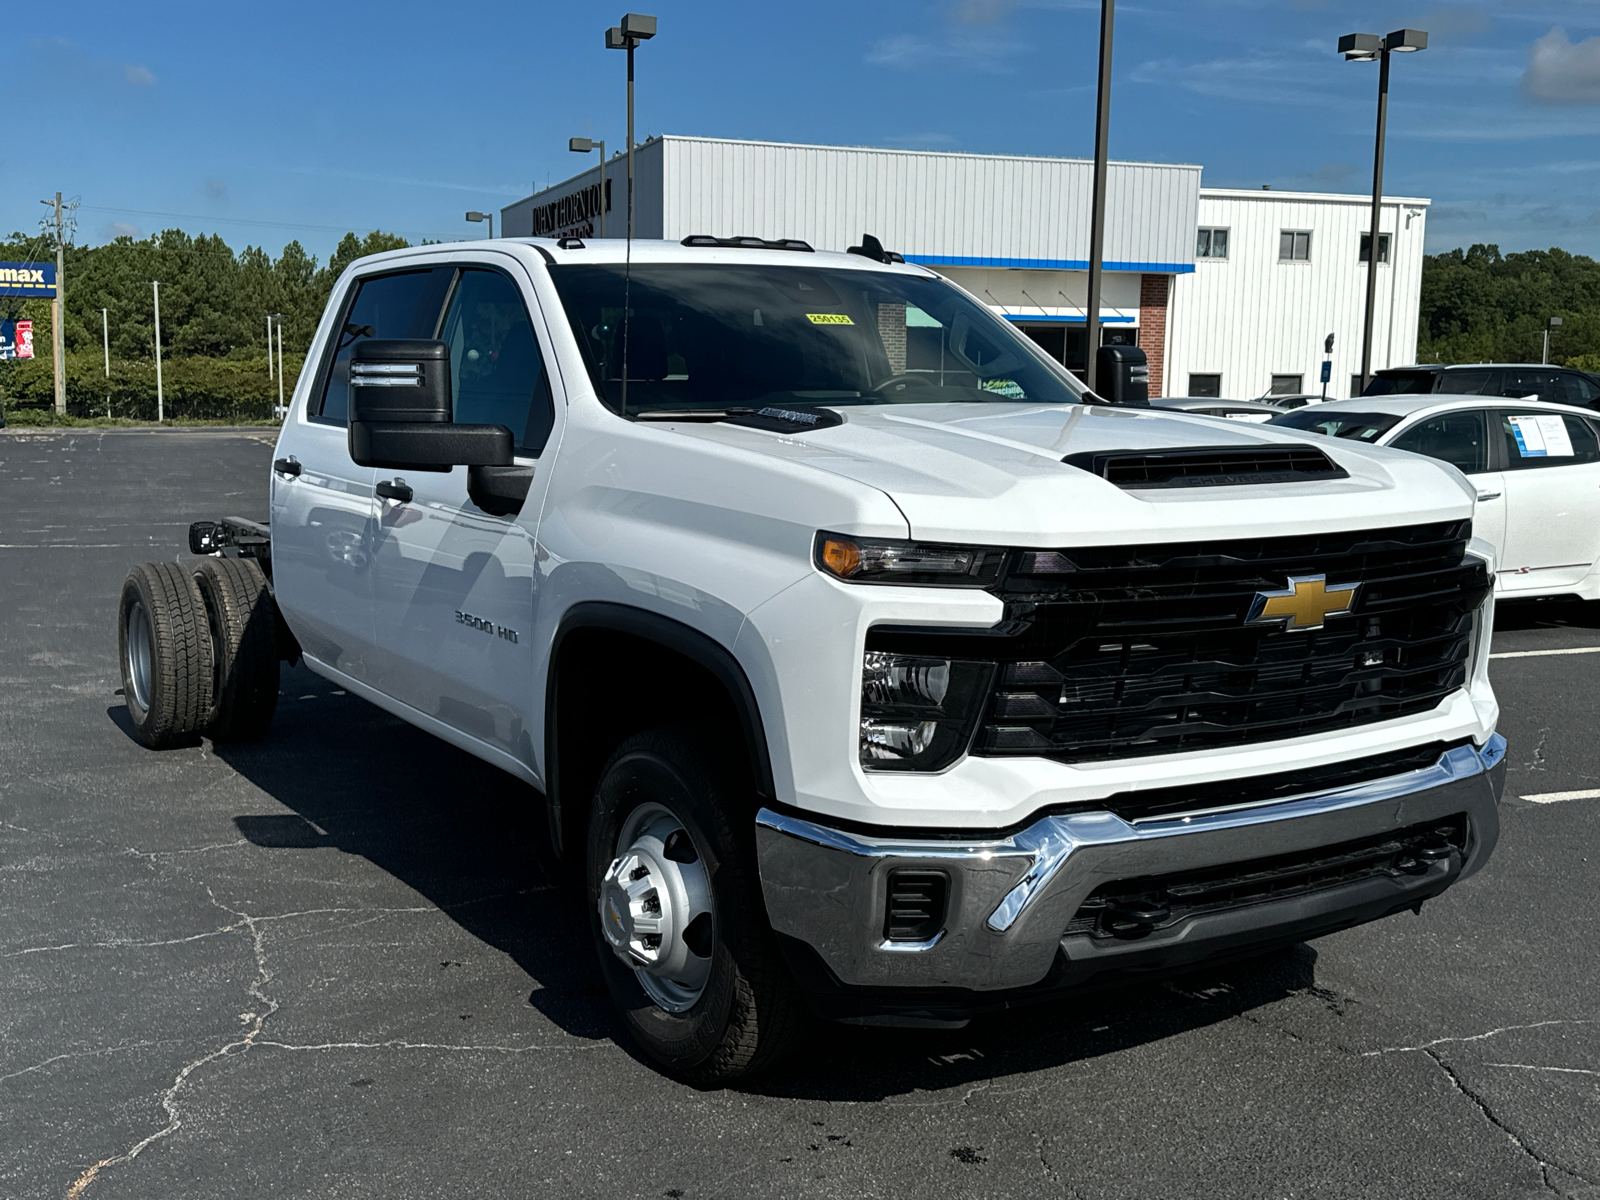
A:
(872, 666)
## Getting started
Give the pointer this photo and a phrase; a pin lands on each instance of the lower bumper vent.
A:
(916, 905)
(1133, 908)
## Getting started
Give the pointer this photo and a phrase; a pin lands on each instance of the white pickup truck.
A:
(874, 669)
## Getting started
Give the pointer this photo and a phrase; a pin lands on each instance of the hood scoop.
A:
(1208, 466)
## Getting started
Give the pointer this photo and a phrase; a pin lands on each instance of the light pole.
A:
(1364, 47)
(269, 346)
(1097, 216)
(1552, 323)
(635, 28)
(105, 339)
(161, 400)
(583, 146)
(278, 317)
(471, 216)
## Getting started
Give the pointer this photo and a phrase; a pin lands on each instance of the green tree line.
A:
(1479, 305)
(214, 304)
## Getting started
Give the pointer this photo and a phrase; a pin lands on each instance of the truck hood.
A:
(994, 473)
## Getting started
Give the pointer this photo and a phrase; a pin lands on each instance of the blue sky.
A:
(300, 120)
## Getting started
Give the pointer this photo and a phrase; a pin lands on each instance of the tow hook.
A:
(1134, 918)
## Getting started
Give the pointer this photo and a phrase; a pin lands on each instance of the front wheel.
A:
(677, 913)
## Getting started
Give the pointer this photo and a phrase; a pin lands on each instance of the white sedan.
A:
(1536, 467)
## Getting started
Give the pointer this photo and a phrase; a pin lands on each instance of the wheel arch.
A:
(592, 635)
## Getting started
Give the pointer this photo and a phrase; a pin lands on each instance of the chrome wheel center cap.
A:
(656, 908)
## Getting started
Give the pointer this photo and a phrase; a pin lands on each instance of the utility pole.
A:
(105, 336)
(1097, 218)
(161, 400)
(58, 306)
(269, 346)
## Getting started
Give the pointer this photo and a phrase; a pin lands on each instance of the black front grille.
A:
(1208, 466)
(1132, 908)
(1119, 651)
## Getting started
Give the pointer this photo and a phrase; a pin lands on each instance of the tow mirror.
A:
(400, 410)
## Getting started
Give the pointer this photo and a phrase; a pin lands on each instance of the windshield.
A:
(1357, 426)
(716, 337)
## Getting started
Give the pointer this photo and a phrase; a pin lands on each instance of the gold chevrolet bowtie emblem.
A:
(1306, 603)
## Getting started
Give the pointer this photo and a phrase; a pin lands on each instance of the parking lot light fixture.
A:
(481, 217)
(1552, 323)
(584, 146)
(1365, 47)
(635, 28)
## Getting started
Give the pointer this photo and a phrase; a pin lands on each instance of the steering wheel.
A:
(902, 380)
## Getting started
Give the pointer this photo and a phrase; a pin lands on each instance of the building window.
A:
(1287, 385)
(1383, 247)
(1206, 387)
(1294, 245)
(1212, 243)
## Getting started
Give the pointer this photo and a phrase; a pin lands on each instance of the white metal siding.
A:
(998, 210)
(1250, 316)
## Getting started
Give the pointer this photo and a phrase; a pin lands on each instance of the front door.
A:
(1552, 482)
(455, 586)
(323, 513)
(1461, 438)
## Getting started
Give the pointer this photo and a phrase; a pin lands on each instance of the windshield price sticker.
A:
(829, 319)
(1541, 437)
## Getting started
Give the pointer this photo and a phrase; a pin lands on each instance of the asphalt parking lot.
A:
(340, 962)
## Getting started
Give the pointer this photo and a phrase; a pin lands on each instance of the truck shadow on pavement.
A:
(473, 841)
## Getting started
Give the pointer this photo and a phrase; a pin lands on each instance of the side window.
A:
(383, 306)
(1547, 440)
(1520, 383)
(1456, 438)
(1463, 383)
(1584, 389)
(497, 374)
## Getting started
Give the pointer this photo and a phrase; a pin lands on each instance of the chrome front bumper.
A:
(1011, 897)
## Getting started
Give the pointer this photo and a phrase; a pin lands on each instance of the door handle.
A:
(1488, 495)
(397, 491)
(286, 466)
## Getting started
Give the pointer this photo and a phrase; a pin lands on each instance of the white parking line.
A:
(1541, 653)
(1557, 797)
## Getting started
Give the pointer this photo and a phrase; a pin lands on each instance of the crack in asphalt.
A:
(252, 1038)
(1488, 1113)
(1478, 1037)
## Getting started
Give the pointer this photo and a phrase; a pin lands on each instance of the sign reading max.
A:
(36, 281)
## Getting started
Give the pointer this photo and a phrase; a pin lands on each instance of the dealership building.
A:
(1228, 292)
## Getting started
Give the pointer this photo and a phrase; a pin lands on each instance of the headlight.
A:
(885, 560)
(917, 712)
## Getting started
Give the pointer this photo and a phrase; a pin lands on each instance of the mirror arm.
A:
(499, 491)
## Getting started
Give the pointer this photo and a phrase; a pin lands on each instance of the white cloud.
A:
(1562, 72)
(122, 229)
(139, 76)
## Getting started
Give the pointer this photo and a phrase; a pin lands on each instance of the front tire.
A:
(164, 649)
(677, 914)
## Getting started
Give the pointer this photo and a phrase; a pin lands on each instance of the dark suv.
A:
(1557, 385)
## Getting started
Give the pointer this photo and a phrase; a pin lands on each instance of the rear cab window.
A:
(1400, 383)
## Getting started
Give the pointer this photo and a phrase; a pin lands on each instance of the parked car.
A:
(1253, 411)
(1290, 400)
(1555, 385)
(867, 662)
(1536, 467)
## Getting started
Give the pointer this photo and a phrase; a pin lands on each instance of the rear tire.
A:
(165, 654)
(733, 1009)
(243, 622)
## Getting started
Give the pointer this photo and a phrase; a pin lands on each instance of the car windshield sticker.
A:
(829, 319)
(1541, 437)
(1008, 388)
